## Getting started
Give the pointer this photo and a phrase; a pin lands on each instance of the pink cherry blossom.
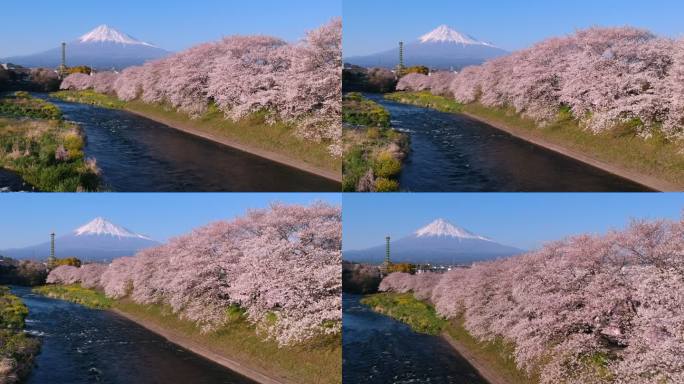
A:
(299, 83)
(603, 76)
(619, 297)
(280, 265)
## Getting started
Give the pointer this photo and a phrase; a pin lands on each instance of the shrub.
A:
(386, 165)
(386, 185)
(354, 166)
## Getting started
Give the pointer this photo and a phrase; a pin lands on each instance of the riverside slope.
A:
(185, 342)
(651, 182)
(270, 155)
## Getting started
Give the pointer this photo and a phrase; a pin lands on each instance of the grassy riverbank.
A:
(17, 349)
(655, 162)
(44, 150)
(358, 110)
(75, 293)
(22, 105)
(318, 361)
(427, 100)
(251, 134)
(89, 97)
(420, 316)
(373, 152)
(494, 359)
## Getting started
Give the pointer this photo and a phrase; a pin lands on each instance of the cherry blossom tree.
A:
(117, 280)
(246, 78)
(128, 86)
(599, 309)
(440, 82)
(313, 86)
(77, 81)
(64, 274)
(299, 84)
(103, 82)
(414, 82)
(602, 76)
(280, 267)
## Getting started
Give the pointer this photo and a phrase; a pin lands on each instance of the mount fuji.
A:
(102, 48)
(439, 242)
(98, 240)
(442, 48)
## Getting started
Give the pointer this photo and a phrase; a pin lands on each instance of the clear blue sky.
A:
(28, 218)
(29, 27)
(524, 220)
(371, 26)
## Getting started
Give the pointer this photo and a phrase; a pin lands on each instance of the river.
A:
(452, 152)
(137, 154)
(377, 349)
(12, 182)
(82, 345)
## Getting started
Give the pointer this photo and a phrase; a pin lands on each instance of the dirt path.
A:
(185, 342)
(645, 180)
(490, 375)
(273, 156)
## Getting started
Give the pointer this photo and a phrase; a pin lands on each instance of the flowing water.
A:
(452, 152)
(11, 182)
(137, 154)
(82, 346)
(377, 349)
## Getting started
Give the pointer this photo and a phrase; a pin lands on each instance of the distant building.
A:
(52, 259)
(425, 268)
(386, 264)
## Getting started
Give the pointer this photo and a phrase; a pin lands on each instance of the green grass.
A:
(318, 361)
(13, 312)
(22, 105)
(358, 110)
(419, 315)
(656, 157)
(427, 100)
(29, 147)
(89, 97)
(252, 131)
(16, 347)
(378, 149)
(44, 150)
(77, 294)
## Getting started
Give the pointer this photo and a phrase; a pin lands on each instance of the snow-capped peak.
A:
(444, 34)
(441, 227)
(105, 33)
(100, 226)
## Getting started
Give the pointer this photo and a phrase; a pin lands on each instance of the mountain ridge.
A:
(439, 242)
(105, 33)
(441, 48)
(103, 47)
(101, 226)
(444, 33)
(98, 240)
